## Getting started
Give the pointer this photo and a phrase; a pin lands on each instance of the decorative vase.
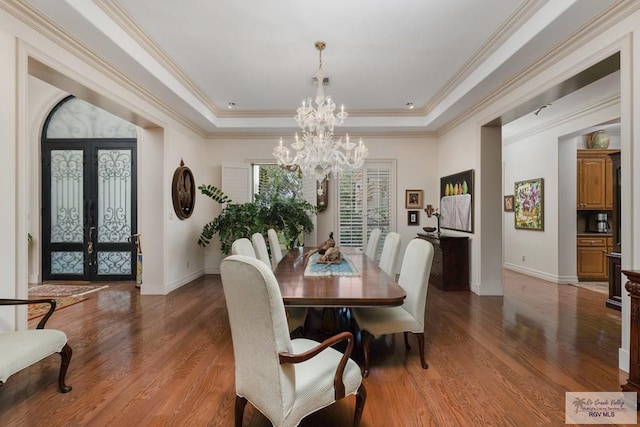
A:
(599, 140)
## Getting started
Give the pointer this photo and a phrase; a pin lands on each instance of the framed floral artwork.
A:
(529, 204)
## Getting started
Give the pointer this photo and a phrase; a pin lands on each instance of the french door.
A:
(89, 209)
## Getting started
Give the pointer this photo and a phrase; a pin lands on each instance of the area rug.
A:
(39, 310)
(54, 291)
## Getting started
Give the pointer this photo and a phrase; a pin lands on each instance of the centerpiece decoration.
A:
(329, 253)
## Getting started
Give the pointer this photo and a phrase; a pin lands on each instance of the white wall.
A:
(551, 154)
(416, 158)
(172, 257)
(459, 150)
(8, 236)
(463, 142)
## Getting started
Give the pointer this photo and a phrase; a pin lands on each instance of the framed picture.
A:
(529, 204)
(413, 199)
(508, 203)
(413, 218)
(456, 201)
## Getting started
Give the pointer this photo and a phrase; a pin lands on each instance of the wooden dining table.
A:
(368, 286)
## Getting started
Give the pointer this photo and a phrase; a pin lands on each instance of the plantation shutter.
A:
(365, 202)
(236, 182)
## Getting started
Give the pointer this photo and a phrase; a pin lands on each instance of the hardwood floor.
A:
(153, 361)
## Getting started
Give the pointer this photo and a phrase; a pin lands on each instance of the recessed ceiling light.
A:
(231, 105)
(410, 105)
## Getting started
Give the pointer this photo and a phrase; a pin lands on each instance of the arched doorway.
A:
(89, 194)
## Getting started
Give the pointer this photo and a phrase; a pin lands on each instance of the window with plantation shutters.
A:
(365, 202)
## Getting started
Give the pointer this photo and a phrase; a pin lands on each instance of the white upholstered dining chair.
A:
(285, 379)
(409, 317)
(260, 247)
(274, 246)
(296, 316)
(389, 256)
(372, 244)
(243, 246)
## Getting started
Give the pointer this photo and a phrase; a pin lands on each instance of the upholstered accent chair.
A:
(274, 246)
(372, 244)
(243, 246)
(285, 379)
(260, 247)
(390, 251)
(20, 349)
(409, 317)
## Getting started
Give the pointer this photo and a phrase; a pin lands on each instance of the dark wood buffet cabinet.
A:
(615, 281)
(450, 268)
(633, 287)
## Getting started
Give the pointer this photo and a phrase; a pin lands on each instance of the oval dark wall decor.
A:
(183, 191)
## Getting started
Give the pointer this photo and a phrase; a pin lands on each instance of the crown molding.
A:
(124, 20)
(120, 16)
(40, 23)
(599, 105)
(615, 14)
(35, 20)
(500, 36)
(276, 135)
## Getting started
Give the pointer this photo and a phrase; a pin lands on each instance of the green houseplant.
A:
(288, 215)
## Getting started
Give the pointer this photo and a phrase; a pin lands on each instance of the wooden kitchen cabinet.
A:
(595, 180)
(592, 257)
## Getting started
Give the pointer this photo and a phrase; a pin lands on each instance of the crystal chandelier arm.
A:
(317, 153)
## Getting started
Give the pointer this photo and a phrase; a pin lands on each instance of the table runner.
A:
(345, 268)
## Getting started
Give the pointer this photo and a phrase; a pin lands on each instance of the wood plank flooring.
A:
(168, 361)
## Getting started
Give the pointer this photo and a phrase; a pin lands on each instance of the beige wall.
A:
(416, 159)
(463, 141)
(168, 241)
(172, 257)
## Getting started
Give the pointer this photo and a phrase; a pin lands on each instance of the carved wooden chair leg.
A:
(361, 397)
(65, 354)
(421, 345)
(366, 345)
(406, 341)
(241, 402)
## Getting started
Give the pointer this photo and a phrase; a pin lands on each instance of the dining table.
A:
(357, 281)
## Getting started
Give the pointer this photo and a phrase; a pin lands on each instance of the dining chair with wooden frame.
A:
(285, 379)
(409, 317)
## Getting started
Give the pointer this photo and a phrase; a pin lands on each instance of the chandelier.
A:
(317, 152)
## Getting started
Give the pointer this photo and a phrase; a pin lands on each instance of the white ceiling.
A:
(197, 56)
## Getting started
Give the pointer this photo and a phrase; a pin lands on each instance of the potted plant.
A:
(287, 215)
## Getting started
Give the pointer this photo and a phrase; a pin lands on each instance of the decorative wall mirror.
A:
(183, 191)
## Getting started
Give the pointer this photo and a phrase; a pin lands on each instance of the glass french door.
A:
(89, 209)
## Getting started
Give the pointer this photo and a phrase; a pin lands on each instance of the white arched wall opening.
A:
(30, 118)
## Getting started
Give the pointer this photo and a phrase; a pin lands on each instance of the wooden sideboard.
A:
(615, 286)
(450, 268)
(633, 287)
